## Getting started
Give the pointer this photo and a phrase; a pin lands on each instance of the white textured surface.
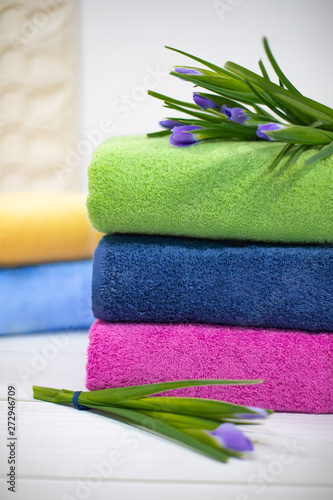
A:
(38, 105)
(66, 454)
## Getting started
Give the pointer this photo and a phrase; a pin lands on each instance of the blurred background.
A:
(74, 72)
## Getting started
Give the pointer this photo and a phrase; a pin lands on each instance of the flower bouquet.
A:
(207, 426)
(242, 105)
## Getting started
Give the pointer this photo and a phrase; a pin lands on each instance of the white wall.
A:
(123, 41)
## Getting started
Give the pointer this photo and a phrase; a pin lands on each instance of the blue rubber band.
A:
(75, 402)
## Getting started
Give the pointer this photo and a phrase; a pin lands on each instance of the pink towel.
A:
(296, 366)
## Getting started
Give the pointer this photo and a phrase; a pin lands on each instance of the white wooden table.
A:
(66, 454)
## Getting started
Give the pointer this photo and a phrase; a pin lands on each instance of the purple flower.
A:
(260, 413)
(204, 102)
(181, 138)
(267, 127)
(229, 436)
(169, 124)
(234, 114)
(187, 71)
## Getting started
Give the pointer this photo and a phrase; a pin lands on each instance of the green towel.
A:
(210, 190)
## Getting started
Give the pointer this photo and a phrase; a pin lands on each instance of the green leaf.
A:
(199, 123)
(267, 101)
(296, 101)
(284, 151)
(255, 120)
(262, 111)
(224, 83)
(225, 132)
(199, 407)
(263, 70)
(182, 421)
(161, 133)
(59, 396)
(217, 69)
(170, 100)
(109, 396)
(48, 394)
(244, 97)
(297, 153)
(204, 437)
(323, 153)
(282, 77)
(198, 114)
(301, 135)
(292, 115)
(215, 81)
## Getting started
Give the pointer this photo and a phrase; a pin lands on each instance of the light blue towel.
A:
(45, 298)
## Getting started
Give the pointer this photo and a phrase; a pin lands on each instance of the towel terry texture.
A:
(163, 279)
(47, 297)
(296, 366)
(44, 227)
(219, 190)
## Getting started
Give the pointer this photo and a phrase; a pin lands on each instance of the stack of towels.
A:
(213, 267)
(46, 250)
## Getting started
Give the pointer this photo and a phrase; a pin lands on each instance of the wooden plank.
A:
(60, 442)
(98, 489)
(50, 360)
(72, 341)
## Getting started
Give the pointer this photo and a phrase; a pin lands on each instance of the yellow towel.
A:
(44, 227)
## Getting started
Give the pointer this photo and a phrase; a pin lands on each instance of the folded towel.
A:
(296, 366)
(211, 190)
(44, 227)
(47, 297)
(162, 279)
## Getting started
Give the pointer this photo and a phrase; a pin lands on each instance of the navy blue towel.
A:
(161, 279)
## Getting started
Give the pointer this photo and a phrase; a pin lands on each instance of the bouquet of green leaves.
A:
(242, 105)
(208, 426)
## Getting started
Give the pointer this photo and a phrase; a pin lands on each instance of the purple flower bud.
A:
(204, 102)
(181, 138)
(260, 413)
(234, 114)
(229, 436)
(187, 71)
(169, 124)
(267, 127)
